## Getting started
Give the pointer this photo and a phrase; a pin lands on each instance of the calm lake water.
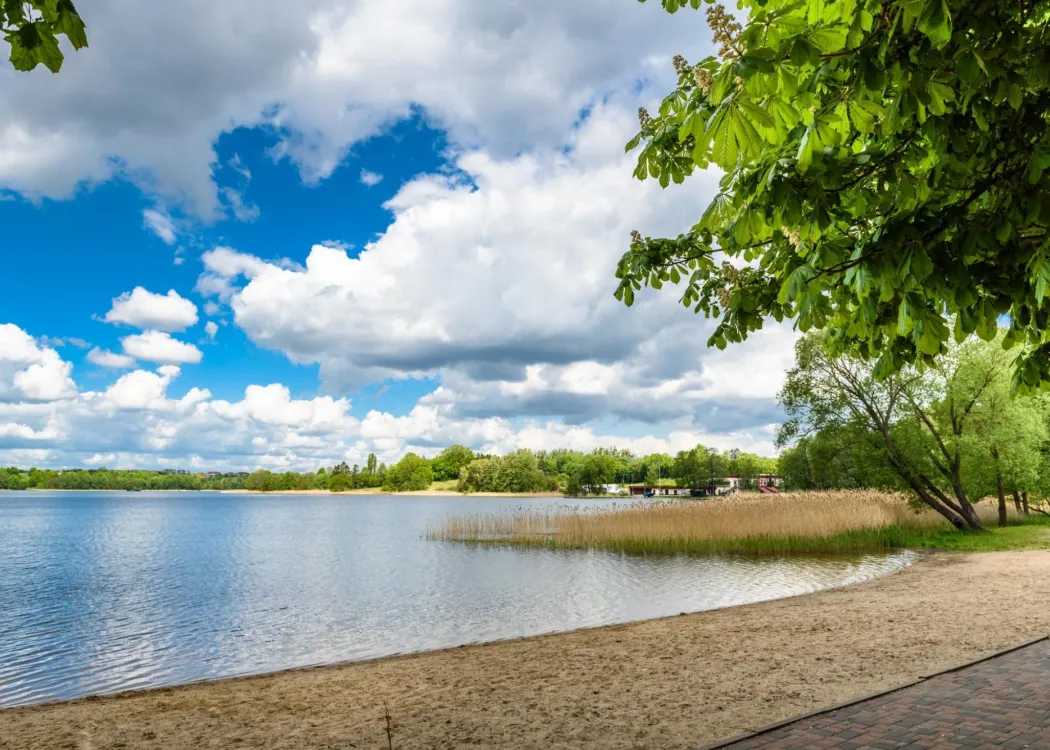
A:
(107, 592)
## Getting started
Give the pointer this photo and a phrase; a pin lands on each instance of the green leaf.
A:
(806, 147)
(935, 21)
(34, 44)
(862, 120)
(756, 114)
(967, 69)
(724, 142)
(905, 318)
(795, 284)
(750, 64)
(68, 22)
(829, 39)
(787, 82)
(784, 115)
(939, 94)
(717, 213)
(814, 11)
(722, 84)
(1014, 95)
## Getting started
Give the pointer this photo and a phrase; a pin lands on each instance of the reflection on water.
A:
(107, 592)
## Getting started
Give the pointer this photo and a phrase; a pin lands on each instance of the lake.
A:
(102, 592)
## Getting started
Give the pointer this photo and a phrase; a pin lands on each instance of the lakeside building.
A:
(643, 490)
(766, 482)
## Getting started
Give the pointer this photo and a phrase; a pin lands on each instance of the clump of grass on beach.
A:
(804, 522)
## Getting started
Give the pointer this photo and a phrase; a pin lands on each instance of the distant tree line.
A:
(110, 479)
(572, 472)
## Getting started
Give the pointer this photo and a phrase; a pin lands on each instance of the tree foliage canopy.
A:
(411, 473)
(33, 27)
(885, 176)
(447, 464)
(951, 433)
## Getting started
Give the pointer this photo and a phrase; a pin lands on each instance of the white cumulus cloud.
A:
(371, 179)
(31, 372)
(144, 309)
(498, 280)
(321, 74)
(139, 421)
(106, 358)
(158, 346)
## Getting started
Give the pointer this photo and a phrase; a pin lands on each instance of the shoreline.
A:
(409, 493)
(670, 682)
(376, 491)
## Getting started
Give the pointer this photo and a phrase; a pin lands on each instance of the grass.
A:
(790, 523)
(1030, 533)
(444, 486)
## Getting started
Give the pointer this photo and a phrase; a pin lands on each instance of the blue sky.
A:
(349, 227)
(90, 249)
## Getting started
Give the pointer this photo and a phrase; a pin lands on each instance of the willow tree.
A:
(921, 421)
(1006, 445)
(885, 176)
(33, 28)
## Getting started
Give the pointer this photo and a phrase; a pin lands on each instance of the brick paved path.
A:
(1001, 703)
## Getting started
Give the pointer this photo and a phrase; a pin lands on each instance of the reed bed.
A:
(744, 523)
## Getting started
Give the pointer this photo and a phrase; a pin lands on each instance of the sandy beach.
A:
(672, 683)
(378, 491)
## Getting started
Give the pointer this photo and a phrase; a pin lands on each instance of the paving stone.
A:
(1000, 703)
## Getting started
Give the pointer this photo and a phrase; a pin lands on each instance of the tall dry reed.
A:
(741, 522)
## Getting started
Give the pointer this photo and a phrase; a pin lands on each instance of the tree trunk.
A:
(961, 515)
(921, 489)
(1002, 499)
(1024, 503)
(973, 521)
(1017, 502)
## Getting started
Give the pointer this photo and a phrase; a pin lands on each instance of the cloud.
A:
(144, 309)
(30, 372)
(211, 328)
(106, 358)
(371, 179)
(157, 346)
(509, 263)
(498, 280)
(321, 74)
(138, 421)
(160, 224)
(241, 210)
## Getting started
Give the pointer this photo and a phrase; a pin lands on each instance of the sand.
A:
(672, 683)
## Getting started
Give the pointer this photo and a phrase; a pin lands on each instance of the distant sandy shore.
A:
(53, 489)
(672, 683)
(377, 491)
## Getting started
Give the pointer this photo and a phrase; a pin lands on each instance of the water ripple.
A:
(104, 592)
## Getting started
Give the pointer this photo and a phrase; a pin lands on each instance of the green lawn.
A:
(1033, 533)
(446, 486)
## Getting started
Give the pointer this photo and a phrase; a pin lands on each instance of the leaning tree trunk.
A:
(1017, 502)
(1024, 503)
(1002, 499)
(934, 498)
(973, 521)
